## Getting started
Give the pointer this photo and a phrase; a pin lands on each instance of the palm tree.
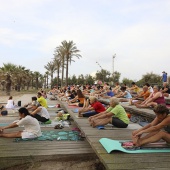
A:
(60, 53)
(46, 73)
(70, 50)
(37, 75)
(57, 62)
(51, 68)
(7, 71)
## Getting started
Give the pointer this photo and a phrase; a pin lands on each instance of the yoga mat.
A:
(4, 124)
(75, 110)
(54, 136)
(100, 127)
(70, 107)
(52, 124)
(115, 145)
(51, 106)
(143, 123)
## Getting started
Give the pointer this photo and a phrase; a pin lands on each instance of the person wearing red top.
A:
(94, 108)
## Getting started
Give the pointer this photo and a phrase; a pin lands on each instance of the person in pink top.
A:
(154, 99)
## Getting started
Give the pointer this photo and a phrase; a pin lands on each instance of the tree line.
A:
(20, 78)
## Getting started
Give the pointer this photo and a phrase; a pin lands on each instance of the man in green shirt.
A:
(115, 114)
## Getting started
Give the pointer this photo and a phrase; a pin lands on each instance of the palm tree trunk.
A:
(62, 74)
(51, 80)
(58, 72)
(67, 71)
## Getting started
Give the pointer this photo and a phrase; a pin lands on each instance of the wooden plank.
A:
(118, 160)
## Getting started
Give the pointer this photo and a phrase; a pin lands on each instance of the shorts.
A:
(28, 135)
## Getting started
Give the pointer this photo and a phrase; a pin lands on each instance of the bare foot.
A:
(80, 115)
(93, 124)
(136, 140)
(138, 106)
(1, 132)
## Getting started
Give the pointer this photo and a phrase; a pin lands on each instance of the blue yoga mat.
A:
(100, 127)
(75, 110)
(115, 145)
(4, 124)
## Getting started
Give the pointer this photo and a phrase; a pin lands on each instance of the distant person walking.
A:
(164, 76)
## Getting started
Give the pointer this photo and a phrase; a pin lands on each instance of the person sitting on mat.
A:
(134, 89)
(40, 112)
(3, 110)
(139, 98)
(115, 114)
(124, 95)
(154, 99)
(29, 105)
(10, 103)
(41, 100)
(94, 108)
(158, 129)
(166, 90)
(31, 125)
(78, 100)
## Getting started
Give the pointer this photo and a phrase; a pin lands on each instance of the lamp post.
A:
(113, 62)
(101, 70)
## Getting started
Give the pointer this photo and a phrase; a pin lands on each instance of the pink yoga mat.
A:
(71, 107)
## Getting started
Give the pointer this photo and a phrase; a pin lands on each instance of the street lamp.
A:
(101, 70)
(113, 62)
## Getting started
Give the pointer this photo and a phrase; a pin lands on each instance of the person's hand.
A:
(134, 132)
(139, 134)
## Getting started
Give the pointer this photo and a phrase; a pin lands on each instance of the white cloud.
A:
(137, 31)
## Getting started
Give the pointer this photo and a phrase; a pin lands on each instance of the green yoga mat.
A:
(55, 136)
(115, 145)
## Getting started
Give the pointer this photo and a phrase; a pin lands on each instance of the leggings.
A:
(39, 118)
(118, 123)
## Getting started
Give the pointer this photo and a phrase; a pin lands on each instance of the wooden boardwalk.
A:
(118, 160)
(16, 153)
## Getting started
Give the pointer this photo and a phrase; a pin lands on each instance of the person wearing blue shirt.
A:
(164, 76)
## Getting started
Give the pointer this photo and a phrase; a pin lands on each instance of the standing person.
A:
(158, 129)
(41, 100)
(164, 76)
(31, 125)
(10, 103)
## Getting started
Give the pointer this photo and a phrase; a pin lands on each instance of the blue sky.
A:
(138, 31)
